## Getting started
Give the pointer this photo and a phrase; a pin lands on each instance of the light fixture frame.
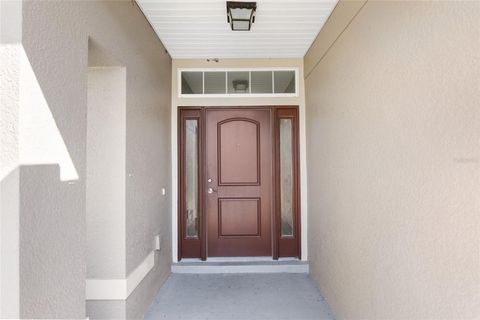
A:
(241, 5)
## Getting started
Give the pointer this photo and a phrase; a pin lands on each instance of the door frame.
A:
(281, 246)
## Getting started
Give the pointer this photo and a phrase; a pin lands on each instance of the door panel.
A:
(239, 182)
(239, 152)
(239, 217)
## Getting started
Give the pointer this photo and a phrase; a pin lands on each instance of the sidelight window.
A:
(286, 177)
(287, 181)
(191, 177)
(190, 187)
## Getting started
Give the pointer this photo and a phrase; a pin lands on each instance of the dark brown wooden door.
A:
(239, 182)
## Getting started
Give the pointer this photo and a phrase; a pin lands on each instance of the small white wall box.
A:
(158, 242)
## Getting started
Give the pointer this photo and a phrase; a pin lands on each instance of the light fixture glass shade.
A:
(241, 15)
(240, 25)
(238, 81)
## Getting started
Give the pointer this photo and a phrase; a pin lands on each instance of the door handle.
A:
(210, 190)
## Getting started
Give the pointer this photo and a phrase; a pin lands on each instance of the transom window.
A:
(237, 82)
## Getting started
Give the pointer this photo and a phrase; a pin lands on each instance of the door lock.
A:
(210, 190)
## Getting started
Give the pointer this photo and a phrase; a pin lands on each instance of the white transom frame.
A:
(237, 95)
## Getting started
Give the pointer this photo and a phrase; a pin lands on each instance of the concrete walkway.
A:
(239, 296)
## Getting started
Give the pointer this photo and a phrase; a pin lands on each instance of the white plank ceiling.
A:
(199, 29)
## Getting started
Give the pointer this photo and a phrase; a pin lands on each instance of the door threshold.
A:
(238, 259)
(196, 266)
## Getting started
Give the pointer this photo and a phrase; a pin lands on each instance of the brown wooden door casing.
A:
(240, 194)
(239, 164)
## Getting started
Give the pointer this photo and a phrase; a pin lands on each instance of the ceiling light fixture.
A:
(241, 15)
(240, 85)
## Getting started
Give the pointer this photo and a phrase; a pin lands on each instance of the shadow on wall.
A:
(36, 171)
(39, 139)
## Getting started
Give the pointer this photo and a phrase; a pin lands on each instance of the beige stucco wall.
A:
(393, 140)
(10, 69)
(298, 100)
(106, 154)
(49, 206)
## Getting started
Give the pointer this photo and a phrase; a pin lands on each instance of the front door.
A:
(239, 182)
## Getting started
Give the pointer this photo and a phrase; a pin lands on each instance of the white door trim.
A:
(275, 101)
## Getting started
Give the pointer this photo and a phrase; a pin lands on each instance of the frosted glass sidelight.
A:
(286, 177)
(191, 177)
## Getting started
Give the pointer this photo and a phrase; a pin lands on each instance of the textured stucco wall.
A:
(52, 256)
(106, 156)
(52, 272)
(10, 69)
(393, 132)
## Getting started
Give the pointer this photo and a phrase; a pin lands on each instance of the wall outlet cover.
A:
(158, 242)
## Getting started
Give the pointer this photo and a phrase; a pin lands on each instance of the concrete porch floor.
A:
(239, 296)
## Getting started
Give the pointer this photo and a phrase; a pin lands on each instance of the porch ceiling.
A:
(192, 29)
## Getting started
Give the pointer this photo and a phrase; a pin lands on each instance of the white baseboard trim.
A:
(119, 289)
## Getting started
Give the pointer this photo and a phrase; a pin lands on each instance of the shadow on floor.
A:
(240, 297)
